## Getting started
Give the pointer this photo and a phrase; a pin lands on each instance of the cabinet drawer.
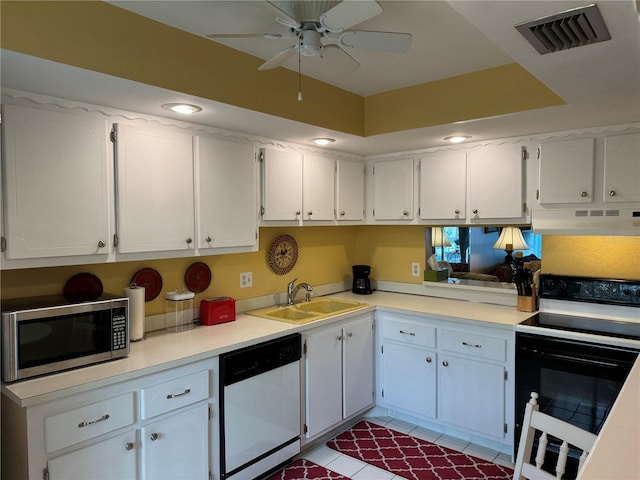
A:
(405, 331)
(86, 422)
(173, 394)
(481, 346)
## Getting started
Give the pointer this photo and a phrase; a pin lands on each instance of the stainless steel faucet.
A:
(292, 290)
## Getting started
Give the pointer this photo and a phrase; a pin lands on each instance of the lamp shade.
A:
(439, 238)
(511, 239)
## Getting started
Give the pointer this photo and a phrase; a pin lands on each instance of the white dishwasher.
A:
(259, 408)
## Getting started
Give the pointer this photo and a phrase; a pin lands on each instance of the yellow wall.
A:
(104, 38)
(326, 255)
(606, 257)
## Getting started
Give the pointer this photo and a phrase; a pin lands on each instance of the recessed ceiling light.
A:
(184, 108)
(323, 141)
(457, 138)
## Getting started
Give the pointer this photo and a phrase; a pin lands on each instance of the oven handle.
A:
(559, 356)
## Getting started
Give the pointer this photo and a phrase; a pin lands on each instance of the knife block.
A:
(528, 304)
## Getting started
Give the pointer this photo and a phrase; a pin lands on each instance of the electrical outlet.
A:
(246, 279)
(415, 269)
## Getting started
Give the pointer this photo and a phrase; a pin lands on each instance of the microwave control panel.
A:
(119, 328)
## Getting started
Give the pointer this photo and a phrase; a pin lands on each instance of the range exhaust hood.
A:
(597, 221)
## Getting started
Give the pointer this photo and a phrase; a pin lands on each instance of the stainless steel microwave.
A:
(48, 334)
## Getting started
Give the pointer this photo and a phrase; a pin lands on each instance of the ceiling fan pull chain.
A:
(299, 68)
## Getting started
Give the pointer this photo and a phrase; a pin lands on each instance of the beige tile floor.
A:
(357, 470)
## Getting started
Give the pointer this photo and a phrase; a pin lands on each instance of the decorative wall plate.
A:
(197, 278)
(283, 254)
(150, 280)
(82, 287)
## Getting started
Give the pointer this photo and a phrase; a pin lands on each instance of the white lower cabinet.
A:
(176, 447)
(102, 434)
(456, 376)
(112, 459)
(339, 373)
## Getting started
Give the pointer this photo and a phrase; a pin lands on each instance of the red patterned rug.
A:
(412, 457)
(304, 469)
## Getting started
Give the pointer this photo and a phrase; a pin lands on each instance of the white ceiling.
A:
(600, 83)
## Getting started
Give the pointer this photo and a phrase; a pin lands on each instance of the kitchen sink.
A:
(305, 312)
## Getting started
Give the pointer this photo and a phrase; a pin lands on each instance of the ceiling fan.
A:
(321, 29)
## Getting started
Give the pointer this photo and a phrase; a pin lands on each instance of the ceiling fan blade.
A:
(339, 61)
(349, 13)
(278, 59)
(380, 41)
(266, 36)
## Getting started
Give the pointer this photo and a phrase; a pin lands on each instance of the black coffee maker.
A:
(361, 282)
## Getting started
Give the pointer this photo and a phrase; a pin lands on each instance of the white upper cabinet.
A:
(622, 168)
(566, 171)
(318, 187)
(57, 185)
(226, 194)
(443, 186)
(393, 189)
(495, 182)
(349, 190)
(282, 184)
(154, 171)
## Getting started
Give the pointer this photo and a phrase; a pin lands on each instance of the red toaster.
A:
(217, 310)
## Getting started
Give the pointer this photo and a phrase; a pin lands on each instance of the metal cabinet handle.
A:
(612, 193)
(154, 436)
(405, 213)
(208, 239)
(350, 334)
(175, 395)
(471, 345)
(339, 338)
(457, 211)
(445, 364)
(583, 194)
(189, 241)
(343, 213)
(297, 212)
(101, 244)
(128, 446)
(428, 359)
(310, 212)
(475, 211)
(91, 422)
(407, 333)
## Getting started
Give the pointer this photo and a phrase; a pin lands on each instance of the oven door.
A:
(578, 382)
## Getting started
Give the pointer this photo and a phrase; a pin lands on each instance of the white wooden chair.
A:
(569, 434)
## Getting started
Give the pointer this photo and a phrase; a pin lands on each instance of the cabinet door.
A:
(495, 182)
(471, 395)
(622, 168)
(282, 185)
(177, 448)
(226, 194)
(318, 187)
(57, 186)
(350, 190)
(393, 190)
(154, 189)
(409, 379)
(443, 186)
(357, 377)
(112, 459)
(566, 171)
(323, 369)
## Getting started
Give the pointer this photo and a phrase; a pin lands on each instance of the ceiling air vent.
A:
(570, 29)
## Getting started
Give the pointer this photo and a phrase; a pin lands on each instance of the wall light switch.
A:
(246, 279)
